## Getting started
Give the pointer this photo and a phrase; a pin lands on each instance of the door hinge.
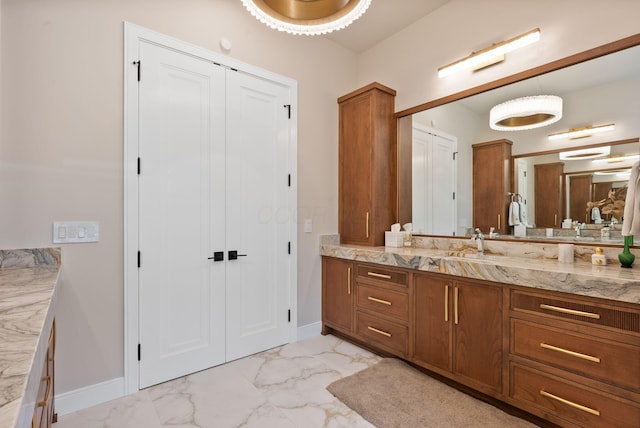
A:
(289, 247)
(289, 180)
(138, 352)
(139, 64)
(138, 258)
(454, 196)
(138, 166)
(288, 107)
(454, 155)
(525, 173)
(289, 315)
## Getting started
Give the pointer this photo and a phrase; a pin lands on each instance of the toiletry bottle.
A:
(598, 258)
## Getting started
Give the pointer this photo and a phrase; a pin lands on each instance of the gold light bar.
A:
(585, 131)
(487, 55)
(617, 158)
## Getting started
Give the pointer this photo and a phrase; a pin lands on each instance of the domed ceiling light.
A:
(526, 113)
(307, 17)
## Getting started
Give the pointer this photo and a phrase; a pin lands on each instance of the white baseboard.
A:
(72, 401)
(82, 398)
(310, 330)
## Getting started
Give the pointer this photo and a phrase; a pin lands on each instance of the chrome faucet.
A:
(479, 238)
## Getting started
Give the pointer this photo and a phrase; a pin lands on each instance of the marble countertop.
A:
(28, 284)
(511, 265)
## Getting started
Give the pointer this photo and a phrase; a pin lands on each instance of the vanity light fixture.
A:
(585, 131)
(588, 153)
(618, 158)
(490, 55)
(617, 172)
(526, 113)
(307, 17)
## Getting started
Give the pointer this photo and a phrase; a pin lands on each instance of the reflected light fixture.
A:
(588, 153)
(490, 55)
(585, 131)
(617, 158)
(307, 17)
(526, 113)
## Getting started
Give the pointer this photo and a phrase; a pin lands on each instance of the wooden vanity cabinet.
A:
(383, 304)
(44, 414)
(491, 183)
(338, 291)
(458, 330)
(367, 179)
(574, 360)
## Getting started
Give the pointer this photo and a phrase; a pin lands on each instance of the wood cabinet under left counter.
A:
(29, 281)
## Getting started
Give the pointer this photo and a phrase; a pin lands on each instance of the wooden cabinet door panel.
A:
(337, 293)
(432, 330)
(478, 332)
(548, 194)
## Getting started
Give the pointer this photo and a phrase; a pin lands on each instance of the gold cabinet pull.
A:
(384, 302)
(555, 220)
(570, 311)
(572, 353)
(366, 225)
(570, 403)
(446, 303)
(379, 275)
(384, 333)
(455, 305)
(47, 393)
(499, 222)
(349, 281)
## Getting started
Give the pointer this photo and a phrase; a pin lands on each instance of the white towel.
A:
(523, 213)
(595, 215)
(631, 219)
(514, 214)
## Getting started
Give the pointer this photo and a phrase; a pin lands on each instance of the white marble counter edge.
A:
(607, 282)
(19, 412)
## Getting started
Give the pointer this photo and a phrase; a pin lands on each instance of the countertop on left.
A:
(29, 281)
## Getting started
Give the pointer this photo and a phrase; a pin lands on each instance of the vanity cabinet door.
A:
(337, 295)
(458, 329)
(367, 182)
(432, 329)
(548, 194)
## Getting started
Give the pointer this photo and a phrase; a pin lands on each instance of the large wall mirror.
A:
(435, 139)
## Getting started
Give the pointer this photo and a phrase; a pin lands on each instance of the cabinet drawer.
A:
(380, 273)
(576, 310)
(613, 362)
(386, 302)
(386, 333)
(578, 404)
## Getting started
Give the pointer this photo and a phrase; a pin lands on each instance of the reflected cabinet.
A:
(491, 184)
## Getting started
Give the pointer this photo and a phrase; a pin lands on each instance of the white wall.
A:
(61, 141)
(62, 146)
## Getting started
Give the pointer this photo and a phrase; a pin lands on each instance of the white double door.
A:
(214, 156)
(433, 169)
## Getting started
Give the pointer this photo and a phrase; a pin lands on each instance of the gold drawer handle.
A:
(570, 403)
(379, 275)
(384, 333)
(349, 281)
(384, 302)
(570, 311)
(446, 303)
(47, 394)
(572, 353)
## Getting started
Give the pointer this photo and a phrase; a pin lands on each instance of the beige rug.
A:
(392, 394)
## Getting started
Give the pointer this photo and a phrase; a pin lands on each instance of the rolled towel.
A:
(595, 214)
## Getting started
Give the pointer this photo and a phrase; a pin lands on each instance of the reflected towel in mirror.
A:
(514, 213)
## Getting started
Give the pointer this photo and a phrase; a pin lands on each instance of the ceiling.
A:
(383, 19)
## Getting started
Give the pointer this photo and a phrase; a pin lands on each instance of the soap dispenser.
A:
(598, 258)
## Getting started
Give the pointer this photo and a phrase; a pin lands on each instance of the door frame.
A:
(133, 35)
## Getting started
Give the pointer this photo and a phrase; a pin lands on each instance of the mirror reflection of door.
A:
(434, 181)
(522, 168)
(579, 191)
(548, 194)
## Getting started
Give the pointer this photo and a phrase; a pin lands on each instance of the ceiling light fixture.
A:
(585, 131)
(490, 55)
(588, 153)
(526, 113)
(307, 17)
(620, 172)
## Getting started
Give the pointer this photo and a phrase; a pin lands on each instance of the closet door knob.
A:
(233, 255)
(218, 256)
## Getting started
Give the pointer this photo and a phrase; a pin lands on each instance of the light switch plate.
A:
(70, 232)
(308, 225)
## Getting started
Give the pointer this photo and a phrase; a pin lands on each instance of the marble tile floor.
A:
(281, 388)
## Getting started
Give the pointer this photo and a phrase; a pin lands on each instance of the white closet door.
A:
(182, 217)
(258, 215)
(444, 185)
(421, 193)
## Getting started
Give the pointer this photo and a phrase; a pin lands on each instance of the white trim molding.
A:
(72, 401)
